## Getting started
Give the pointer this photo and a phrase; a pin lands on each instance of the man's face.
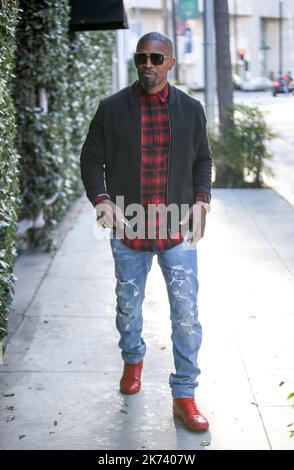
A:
(153, 76)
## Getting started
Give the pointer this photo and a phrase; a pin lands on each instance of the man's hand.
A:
(197, 214)
(110, 215)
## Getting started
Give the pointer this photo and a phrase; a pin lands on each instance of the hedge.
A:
(70, 68)
(58, 79)
(9, 190)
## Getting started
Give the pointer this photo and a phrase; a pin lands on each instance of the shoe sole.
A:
(125, 392)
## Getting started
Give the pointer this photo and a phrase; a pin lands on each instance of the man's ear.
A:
(173, 61)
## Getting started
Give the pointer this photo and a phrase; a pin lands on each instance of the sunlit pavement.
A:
(59, 383)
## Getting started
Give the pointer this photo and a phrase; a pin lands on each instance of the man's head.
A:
(152, 49)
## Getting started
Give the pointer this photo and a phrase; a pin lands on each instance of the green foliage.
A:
(290, 398)
(9, 192)
(74, 69)
(242, 153)
(39, 166)
(43, 137)
(90, 63)
(132, 71)
(291, 425)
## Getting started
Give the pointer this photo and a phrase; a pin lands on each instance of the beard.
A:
(147, 80)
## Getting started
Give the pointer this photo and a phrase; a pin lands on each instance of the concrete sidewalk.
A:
(59, 382)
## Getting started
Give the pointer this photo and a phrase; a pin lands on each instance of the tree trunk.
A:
(223, 64)
(224, 78)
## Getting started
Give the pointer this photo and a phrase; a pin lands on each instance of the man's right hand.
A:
(110, 215)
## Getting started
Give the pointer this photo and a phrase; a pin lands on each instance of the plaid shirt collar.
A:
(163, 94)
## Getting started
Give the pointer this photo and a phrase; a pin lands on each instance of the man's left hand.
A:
(197, 214)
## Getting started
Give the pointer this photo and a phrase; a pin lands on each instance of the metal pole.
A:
(176, 68)
(209, 70)
(115, 72)
(236, 55)
(165, 16)
(280, 37)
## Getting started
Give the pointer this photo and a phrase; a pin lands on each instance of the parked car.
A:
(283, 84)
(256, 84)
(237, 81)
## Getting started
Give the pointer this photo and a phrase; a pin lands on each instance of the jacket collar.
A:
(135, 98)
(162, 95)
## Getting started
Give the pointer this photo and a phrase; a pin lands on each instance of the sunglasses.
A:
(156, 58)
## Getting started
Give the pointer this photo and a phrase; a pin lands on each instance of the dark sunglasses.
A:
(156, 58)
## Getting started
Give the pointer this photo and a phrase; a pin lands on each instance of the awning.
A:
(89, 15)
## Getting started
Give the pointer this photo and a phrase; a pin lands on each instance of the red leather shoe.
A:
(130, 382)
(186, 410)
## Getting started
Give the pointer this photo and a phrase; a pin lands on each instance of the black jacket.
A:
(112, 149)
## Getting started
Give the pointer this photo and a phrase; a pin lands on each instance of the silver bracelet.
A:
(205, 205)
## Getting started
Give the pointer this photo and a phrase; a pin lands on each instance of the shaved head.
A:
(155, 36)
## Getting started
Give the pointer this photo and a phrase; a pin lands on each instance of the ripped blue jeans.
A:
(179, 268)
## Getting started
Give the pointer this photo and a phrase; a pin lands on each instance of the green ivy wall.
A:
(9, 178)
(52, 80)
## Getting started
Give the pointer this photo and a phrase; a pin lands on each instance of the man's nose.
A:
(148, 62)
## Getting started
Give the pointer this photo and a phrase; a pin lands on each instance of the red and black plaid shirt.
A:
(155, 149)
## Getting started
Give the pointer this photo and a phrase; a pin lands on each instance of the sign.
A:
(187, 9)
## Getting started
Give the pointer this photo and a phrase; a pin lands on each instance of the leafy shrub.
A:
(9, 191)
(39, 147)
(242, 153)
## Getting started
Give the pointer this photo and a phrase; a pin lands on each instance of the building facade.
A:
(261, 36)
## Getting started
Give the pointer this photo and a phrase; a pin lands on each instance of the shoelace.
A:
(191, 404)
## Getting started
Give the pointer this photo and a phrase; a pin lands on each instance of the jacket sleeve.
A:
(202, 168)
(92, 159)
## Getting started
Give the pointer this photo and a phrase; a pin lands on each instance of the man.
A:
(148, 144)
